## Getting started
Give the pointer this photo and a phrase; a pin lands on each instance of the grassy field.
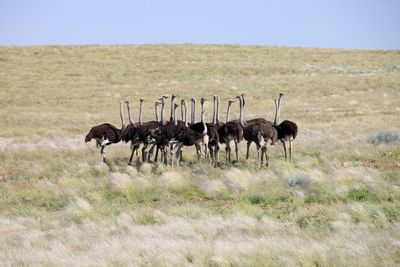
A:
(337, 203)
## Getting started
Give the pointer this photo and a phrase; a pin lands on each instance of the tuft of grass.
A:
(384, 138)
(324, 198)
(361, 194)
(314, 219)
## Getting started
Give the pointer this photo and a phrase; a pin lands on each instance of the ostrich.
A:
(259, 133)
(126, 137)
(140, 134)
(156, 110)
(199, 127)
(252, 121)
(167, 132)
(187, 137)
(212, 128)
(145, 129)
(231, 130)
(287, 130)
(106, 134)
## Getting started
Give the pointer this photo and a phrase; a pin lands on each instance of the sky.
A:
(369, 24)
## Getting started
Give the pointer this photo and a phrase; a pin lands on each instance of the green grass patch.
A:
(361, 195)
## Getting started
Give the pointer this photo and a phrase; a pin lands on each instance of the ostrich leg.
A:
(248, 149)
(284, 148)
(237, 151)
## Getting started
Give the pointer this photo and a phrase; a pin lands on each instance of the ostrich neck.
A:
(121, 115)
(156, 111)
(182, 112)
(276, 121)
(217, 112)
(193, 111)
(186, 112)
(227, 112)
(174, 116)
(202, 108)
(141, 113)
(279, 109)
(162, 112)
(172, 107)
(129, 113)
(214, 110)
(204, 124)
(241, 114)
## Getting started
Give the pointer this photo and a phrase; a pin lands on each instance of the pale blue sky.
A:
(365, 24)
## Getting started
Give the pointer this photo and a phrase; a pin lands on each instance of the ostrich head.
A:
(163, 99)
(230, 102)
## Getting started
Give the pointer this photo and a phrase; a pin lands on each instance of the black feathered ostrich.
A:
(168, 131)
(187, 137)
(228, 132)
(106, 134)
(287, 130)
(129, 134)
(212, 131)
(199, 127)
(140, 134)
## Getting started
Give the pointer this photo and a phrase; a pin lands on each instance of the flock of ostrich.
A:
(162, 135)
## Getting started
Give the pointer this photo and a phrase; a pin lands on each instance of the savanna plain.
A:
(336, 204)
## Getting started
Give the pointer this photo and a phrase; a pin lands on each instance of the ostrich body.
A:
(106, 134)
(287, 130)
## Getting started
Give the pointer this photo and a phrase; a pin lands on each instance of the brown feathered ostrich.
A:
(228, 132)
(287, 130)
(249, 140)
(106, 134)
(259, 133)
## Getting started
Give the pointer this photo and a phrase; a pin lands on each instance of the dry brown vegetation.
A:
(338, 203)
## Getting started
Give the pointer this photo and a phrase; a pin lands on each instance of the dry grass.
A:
(337, 204)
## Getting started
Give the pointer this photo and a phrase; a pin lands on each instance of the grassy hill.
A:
(337, 203)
